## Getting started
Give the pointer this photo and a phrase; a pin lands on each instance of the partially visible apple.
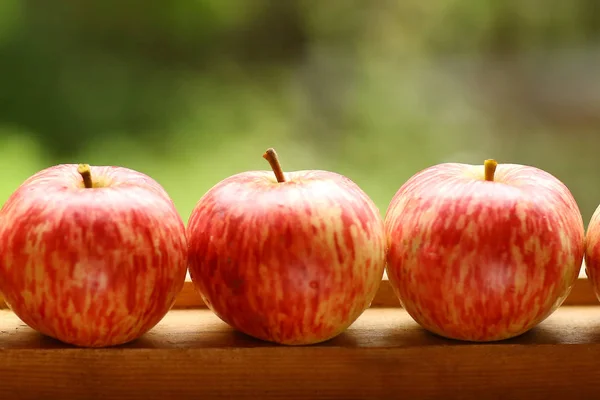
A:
(592, 252)
(483, 253)
(290, 258)
(91, 256)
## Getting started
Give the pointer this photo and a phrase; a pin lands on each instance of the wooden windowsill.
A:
(191, 353)
(385, 353)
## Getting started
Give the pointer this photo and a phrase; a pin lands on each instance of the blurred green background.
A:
(191, 92)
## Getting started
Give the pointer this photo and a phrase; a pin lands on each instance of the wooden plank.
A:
(582, 294)
(192, 354)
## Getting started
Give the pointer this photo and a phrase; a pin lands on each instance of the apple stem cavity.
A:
(86, 174)
(271, 156)
(490, 169)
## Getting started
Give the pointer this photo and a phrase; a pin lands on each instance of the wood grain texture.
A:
(582, 294)
(385, 354)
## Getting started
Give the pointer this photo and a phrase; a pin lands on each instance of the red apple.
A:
(592, 252)
(481, 254)
(288, 258)
(93, 256)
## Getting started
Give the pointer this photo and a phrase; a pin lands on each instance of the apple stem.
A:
(86, 174)
(271, 156)
(490, 169)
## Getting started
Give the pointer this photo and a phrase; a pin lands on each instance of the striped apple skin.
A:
(292, 263)
(91, 267)
(592, 252)
(481, 261)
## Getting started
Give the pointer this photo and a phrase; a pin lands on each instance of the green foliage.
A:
(193, 91)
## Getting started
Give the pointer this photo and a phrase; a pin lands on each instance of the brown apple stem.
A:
(271, 156)
(86, 174)
(490, 169)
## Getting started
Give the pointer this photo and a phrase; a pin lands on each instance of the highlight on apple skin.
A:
(291, 258)
(91, 256)
(483, 253)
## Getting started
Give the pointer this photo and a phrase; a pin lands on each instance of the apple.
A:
(91, 256)
(290, 258)
(483, 253)
(592, 252)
